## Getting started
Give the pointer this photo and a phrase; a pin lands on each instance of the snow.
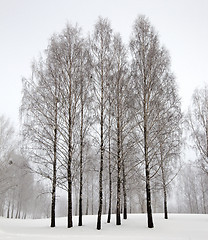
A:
(177, 227)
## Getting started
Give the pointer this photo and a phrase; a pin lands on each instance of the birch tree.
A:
(101, 52)
(150, 63)
(39, 111)
(120, 72)
(85, 87)
(169, 136)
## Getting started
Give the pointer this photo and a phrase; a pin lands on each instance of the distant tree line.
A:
(195, 192)
(21, 195)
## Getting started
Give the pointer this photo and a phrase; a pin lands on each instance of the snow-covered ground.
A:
(178, 226)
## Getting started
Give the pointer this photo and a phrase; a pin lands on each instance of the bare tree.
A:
(101, 52)
(169, 136)
(197, 122)
(39, 111)
(109, 126)
(150, 64)
(119, 75)
(85, 84)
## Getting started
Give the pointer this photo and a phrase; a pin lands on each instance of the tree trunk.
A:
(118, 205)
(100, 190)
(147, 170)
(130, 204)
(80, 202)
(87, 197)
(148, 190)
(16, 216)
(12, 214)
(165, 203)
(110, 196)
(81, 157)
(8, 211)
(109, 165)
(92, 196)
(164, 190)
(69, 223)
(53, 205)
(101, 159)
(110, 199)
(76, 194)
(124, 193)
(87, 206)
(124, 183)
(148, 193)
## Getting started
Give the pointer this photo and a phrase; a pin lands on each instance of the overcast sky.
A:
(26, 26)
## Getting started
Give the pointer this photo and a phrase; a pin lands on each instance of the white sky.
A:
(26, 26)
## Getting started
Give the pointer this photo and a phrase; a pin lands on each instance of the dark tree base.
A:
(99, 224)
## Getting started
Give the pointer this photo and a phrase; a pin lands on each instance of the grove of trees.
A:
(97, 97)
(102, 121)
